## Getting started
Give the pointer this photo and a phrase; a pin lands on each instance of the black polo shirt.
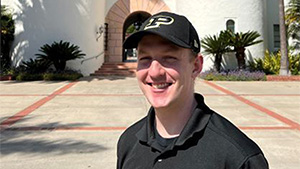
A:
(208, 141)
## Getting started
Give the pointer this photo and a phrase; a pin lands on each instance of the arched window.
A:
(230, 25)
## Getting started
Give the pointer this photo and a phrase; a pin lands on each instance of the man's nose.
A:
(156, 69)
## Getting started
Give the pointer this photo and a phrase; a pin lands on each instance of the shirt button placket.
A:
(157, 162)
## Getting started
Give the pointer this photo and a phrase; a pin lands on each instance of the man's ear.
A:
(198, 64)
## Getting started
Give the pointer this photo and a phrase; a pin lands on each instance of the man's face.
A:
(166, 72)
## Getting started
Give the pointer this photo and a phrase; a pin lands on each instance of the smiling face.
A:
(166, 72)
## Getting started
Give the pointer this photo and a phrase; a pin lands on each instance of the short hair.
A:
(193, 55)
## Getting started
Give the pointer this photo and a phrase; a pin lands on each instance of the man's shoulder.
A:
(130, 132)
(231, 136)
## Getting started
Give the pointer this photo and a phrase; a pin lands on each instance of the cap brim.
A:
(133, 40)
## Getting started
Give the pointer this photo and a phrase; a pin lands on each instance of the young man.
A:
(180, 131)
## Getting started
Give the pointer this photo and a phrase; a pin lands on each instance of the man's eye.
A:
(144, 59)
(171, 59)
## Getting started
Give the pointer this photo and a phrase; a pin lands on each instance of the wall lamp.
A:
(99, 32)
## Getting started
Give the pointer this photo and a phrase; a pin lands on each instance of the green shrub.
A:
(29, 77)
(63, 76)
(213, 76)
(270, 64)
(48, 76)
(14, 72)
(35, 66)
(294, 67)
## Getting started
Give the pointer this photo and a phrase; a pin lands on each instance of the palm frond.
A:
(242, 40)
(216, 44)
(292, 16)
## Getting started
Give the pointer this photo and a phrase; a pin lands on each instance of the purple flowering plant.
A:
(233, 75)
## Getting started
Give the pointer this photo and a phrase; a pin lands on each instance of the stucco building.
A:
(98, 26)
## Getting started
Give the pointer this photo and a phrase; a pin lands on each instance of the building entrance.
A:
(131, 25)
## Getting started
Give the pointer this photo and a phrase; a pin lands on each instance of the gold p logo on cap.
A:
(159, 20)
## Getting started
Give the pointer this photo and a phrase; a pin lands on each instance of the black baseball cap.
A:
(175, 28)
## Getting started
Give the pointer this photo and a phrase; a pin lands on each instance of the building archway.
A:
(131, 25)
(120, 16)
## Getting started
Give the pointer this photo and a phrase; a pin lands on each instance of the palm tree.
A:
(240, 41)
(284, 63)
(292, 16)
(216, 45)
(7, 37)
(59, 53)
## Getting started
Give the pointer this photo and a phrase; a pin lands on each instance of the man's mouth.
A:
(160, 85)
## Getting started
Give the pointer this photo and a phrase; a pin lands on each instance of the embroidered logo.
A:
(196, 45)
(159, 20)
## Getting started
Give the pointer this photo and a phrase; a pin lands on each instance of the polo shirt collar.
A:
(146, 133)
(197, 122)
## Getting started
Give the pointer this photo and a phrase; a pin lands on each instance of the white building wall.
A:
(108, 5)
(272, 19)
(272, 11)
(44, 21)
(209, 18)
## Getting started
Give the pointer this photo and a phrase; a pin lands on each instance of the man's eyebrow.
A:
(169, 48)
(141, 51)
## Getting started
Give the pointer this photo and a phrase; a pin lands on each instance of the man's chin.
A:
(159, 104)
(158, 100)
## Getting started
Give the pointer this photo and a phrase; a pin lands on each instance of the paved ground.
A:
(76, 125)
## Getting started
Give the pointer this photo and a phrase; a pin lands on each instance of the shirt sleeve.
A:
(255, 162)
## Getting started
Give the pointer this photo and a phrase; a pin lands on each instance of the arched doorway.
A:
(120, 16)
(131, 25)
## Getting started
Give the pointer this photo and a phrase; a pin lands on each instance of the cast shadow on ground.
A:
(36, 142)
(110, 78)
(86, 78)
(9, 82)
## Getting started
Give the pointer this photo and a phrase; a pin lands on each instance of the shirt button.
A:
(159, 160)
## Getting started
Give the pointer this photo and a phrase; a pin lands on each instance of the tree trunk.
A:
(60, 65)
(240, 56)
(218, 61)
(284, 62)
(6, 43)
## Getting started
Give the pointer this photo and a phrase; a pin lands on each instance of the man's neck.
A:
(171, 121)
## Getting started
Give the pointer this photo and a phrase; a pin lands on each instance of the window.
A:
(276, 35)
(230, 24)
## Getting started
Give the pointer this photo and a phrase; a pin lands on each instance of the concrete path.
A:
(76, 125)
